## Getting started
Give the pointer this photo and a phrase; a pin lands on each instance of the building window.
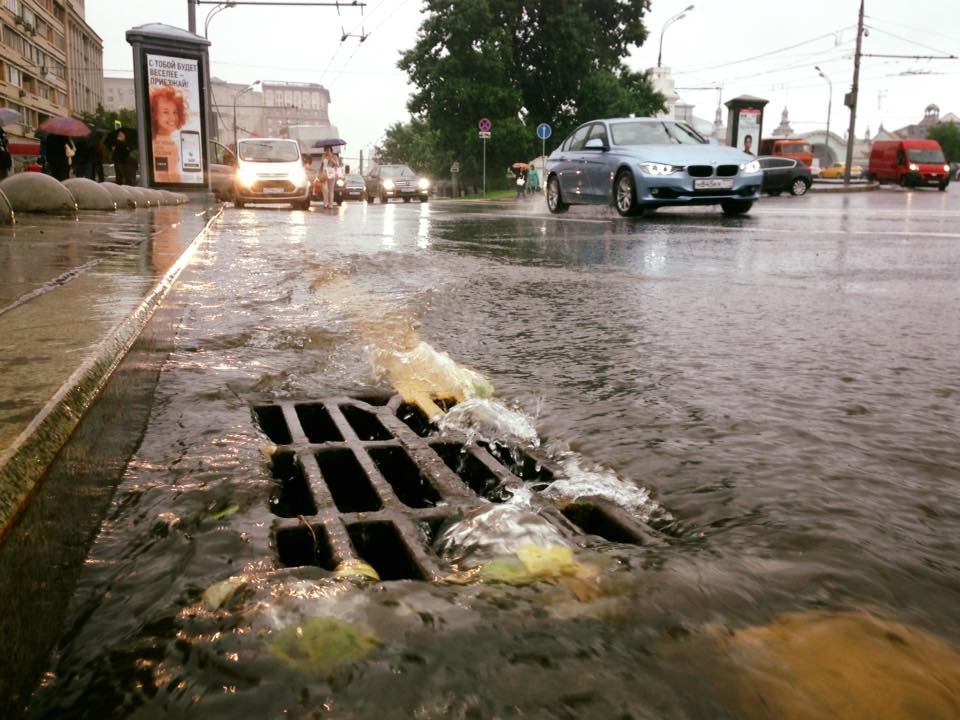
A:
(14, 77)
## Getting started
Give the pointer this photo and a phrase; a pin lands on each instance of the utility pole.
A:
(851, 100)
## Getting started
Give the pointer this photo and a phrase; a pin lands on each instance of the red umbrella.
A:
(67, 126)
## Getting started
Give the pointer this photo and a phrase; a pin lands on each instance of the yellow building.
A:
(51, 64)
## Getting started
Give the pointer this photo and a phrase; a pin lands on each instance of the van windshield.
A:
(269, 151)
(926, 156)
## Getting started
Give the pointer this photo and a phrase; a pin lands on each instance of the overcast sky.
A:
(719, 50)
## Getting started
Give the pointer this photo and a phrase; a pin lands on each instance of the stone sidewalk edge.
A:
(23, 464)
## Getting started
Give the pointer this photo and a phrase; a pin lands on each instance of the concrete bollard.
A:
(121, 194)
(36, 192)
(89, 194)
(7, 216)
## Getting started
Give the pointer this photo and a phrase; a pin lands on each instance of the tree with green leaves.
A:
(520, 64)
(948, 135)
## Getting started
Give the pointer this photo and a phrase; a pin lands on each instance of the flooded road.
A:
(776, 396)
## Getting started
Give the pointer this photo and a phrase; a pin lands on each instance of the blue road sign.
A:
(544, 131)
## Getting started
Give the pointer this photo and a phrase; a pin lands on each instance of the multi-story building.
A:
(51, 64)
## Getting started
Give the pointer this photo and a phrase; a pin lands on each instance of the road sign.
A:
(455, 167)
(484, 135)
(544, 131)
(485, 125)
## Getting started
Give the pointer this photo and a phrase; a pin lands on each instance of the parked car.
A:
(642, 163)
(837, 170)
(910, 163)
(783, 174)
(270, 170)
(222, 166)
(350, 187)
(386, 182)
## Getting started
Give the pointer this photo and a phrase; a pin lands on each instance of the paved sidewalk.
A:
(75, 292)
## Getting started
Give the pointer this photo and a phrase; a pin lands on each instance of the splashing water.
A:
(488, 420)
(579, 481)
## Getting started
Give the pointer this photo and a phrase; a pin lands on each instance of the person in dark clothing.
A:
(6, 162)
(96, 153)
(83, 160)
(57, 164)
(123, 160)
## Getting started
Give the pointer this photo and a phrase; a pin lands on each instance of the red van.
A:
(796, 148)
(910, 163)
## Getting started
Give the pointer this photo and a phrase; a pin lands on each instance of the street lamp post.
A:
(219, 8)
(668, 23)
(829, 105)
(235, 98)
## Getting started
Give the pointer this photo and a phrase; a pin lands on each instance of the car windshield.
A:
(269, 151)
(654, 133)
(396, 171)
(353, 177)
(926, 156)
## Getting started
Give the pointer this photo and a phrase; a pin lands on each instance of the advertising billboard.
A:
(175, 120)
(748, 130)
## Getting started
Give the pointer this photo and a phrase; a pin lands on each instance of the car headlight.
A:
(388, 184)
(246, 176)
(423, 183)
(649, 168)
(339, 183)
(914, 167)
(751, 167)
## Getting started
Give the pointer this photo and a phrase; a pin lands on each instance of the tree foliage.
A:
(520, 63)
(105, 119)
(948, 135)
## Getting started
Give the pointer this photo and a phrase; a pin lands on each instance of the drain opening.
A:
(270, 419)
(290, 495)
(365, 424)
(471, 470)
(412, 487)
(348, 483)
(296, 547)
(381, 545)
(519, 463)
(317, 423)
(413, 417)
(596, 521)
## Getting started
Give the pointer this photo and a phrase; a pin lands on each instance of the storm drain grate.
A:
(372, 479)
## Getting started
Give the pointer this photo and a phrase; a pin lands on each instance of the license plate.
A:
(713, 184)
(272, 190)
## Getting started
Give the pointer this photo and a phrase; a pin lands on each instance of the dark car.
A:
(783, 174)
(350, 187)
(386, 182)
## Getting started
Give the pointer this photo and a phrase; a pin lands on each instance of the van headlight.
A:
(246, 176)
(913, 167)
(751, 167)
(649, 168)
(298, 175)
(946, 168)
(423, 184)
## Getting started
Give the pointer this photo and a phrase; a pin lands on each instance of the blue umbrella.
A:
(329, 142)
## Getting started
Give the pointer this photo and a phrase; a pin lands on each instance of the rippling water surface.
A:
(776, 395)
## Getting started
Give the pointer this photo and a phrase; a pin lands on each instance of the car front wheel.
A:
(799, 187)
(625, 194)
(736, 207)
(555, 203)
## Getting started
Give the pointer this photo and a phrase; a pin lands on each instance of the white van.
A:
(270, 170)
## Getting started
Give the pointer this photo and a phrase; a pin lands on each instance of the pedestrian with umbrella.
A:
(61, 148)
(520, 173)
(58, 162)
(6, 162)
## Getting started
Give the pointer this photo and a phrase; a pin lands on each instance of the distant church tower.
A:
(784, 129)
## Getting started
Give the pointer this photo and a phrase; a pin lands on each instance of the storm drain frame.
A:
(371, 479)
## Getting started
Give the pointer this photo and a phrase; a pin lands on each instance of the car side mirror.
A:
(595, 144)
